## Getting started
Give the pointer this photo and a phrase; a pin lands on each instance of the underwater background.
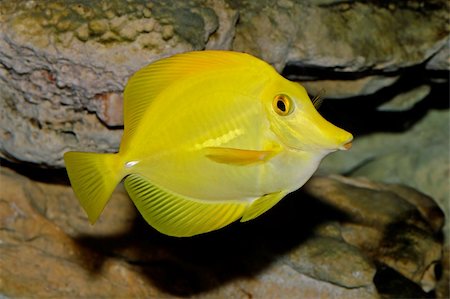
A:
(371, 224)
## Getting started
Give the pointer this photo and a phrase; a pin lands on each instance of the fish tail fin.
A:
(93, 177)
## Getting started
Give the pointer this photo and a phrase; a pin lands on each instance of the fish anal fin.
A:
(261, 205)
(180, 216)
(238, 156)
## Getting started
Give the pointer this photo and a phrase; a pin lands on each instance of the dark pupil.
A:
(281, 106)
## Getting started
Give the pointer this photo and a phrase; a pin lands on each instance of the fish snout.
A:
(335, 138)
(346, 146)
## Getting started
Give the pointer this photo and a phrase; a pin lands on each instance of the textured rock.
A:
(336, 89)
(63, 67)
(334, 261)
(39, 259)
(60, 62)
(300, 249)
(417, 157)
(328, 35)
(406, 100)
(441, 60)
(281, 281)
(443, 289)
(396, 231)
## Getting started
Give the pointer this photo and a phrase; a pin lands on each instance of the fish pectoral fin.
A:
(180, 216)
(262, 204)
(238, 156)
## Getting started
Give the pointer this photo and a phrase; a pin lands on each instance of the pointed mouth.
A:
(347, 145)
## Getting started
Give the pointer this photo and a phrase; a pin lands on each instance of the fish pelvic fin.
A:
(262, 205)
(177, 215)
(93, 177)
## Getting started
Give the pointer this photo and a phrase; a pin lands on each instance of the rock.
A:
(398, 232)
(441, 60)
(406, 100)
(443, 289)
(414, 158)
(413, 253)
(424, 204)
(281, 281)
(61, 63)
(337, 89)
(39, 259)
(335, 261)
(362, 202)
(110, 108)
(300, 249)
(223, 35)
(322, 38)
(44, 233)
(63, 67)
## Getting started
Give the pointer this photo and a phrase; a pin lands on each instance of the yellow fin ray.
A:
(238, 156)
(145, 85)
(93, 178)
(261, 205)
(176, 215)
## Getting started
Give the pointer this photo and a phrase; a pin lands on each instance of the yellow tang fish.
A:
(210, 137)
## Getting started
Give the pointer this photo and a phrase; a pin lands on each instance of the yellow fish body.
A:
(210, 137)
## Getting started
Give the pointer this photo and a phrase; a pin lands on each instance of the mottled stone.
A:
(282, 281)
(443, 288)
(110, 109)
(425, 205)
(338, 89)
(45, 233)
(416, 157)
(334, 261)
(326, 33)
(396, 225)
(412, 252)
(58, 59)
(441, 60)
(406, 100)
(39, 259)
(63, 67)
(361, 204)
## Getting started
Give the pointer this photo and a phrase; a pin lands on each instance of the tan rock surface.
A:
(396, 225)
(46, 235)
(300, 249)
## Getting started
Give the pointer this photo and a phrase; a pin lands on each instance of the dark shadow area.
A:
(37, 173)
(360, 115)
(188, 266)
(392, 285)
(401, 243)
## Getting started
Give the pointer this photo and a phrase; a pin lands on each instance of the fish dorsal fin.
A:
(238, 156)
(262, 205)
(179, 216)
(145, 85)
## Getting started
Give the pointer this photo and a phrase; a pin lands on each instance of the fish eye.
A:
(282, 105)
